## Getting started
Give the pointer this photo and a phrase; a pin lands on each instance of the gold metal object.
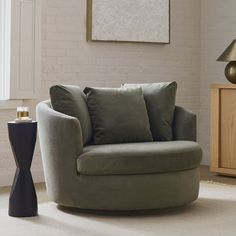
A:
(230, 72)
(21, 114)
(229, 55)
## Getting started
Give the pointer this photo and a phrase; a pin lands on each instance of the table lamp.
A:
(229, 55)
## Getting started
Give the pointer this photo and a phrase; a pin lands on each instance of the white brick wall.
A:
(218, 30)
(67, 58)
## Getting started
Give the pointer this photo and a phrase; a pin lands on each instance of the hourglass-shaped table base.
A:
(23, 199)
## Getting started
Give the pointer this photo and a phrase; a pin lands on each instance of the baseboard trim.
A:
(6, 179)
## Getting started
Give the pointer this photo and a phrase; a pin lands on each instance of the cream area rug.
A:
(213, 214)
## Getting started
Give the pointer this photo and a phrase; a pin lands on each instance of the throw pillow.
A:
(160, 102)
(118, 115)
(71, 100)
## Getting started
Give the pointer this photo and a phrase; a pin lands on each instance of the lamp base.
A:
(230, 72)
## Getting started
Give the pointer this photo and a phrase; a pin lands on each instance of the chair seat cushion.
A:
(139, 158)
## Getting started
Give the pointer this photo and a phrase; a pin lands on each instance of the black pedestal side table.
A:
(23, 199)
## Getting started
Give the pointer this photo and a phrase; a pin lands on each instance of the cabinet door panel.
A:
(228, 128)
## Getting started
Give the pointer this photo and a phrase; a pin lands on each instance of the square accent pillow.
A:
(160, 102)
(71, 100)
(119, 115)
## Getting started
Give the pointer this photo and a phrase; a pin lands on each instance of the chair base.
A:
(129, 192)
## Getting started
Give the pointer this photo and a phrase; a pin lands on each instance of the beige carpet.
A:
(214, 213)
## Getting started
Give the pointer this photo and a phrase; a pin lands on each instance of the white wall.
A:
(218, 21)
(67, 58)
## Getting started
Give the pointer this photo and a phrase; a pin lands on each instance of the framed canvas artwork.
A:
(128, 20)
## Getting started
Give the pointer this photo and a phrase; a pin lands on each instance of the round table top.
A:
(19, 123)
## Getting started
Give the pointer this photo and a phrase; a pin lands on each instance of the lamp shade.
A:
(229, 54)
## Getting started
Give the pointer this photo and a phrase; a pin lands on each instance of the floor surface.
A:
(213, 213)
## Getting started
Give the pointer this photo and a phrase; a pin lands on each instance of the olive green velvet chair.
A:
(131, 176)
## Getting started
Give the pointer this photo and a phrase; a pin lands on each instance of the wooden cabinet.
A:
(223, 129)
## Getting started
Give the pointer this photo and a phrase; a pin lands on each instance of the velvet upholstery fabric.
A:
(143, 158)
(61, 145)
(160, 102)
(119, 115)
(133, 192)
(184, 125)
(71, 100)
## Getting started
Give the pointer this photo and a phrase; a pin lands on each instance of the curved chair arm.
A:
(61, 143)
(184, 125)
